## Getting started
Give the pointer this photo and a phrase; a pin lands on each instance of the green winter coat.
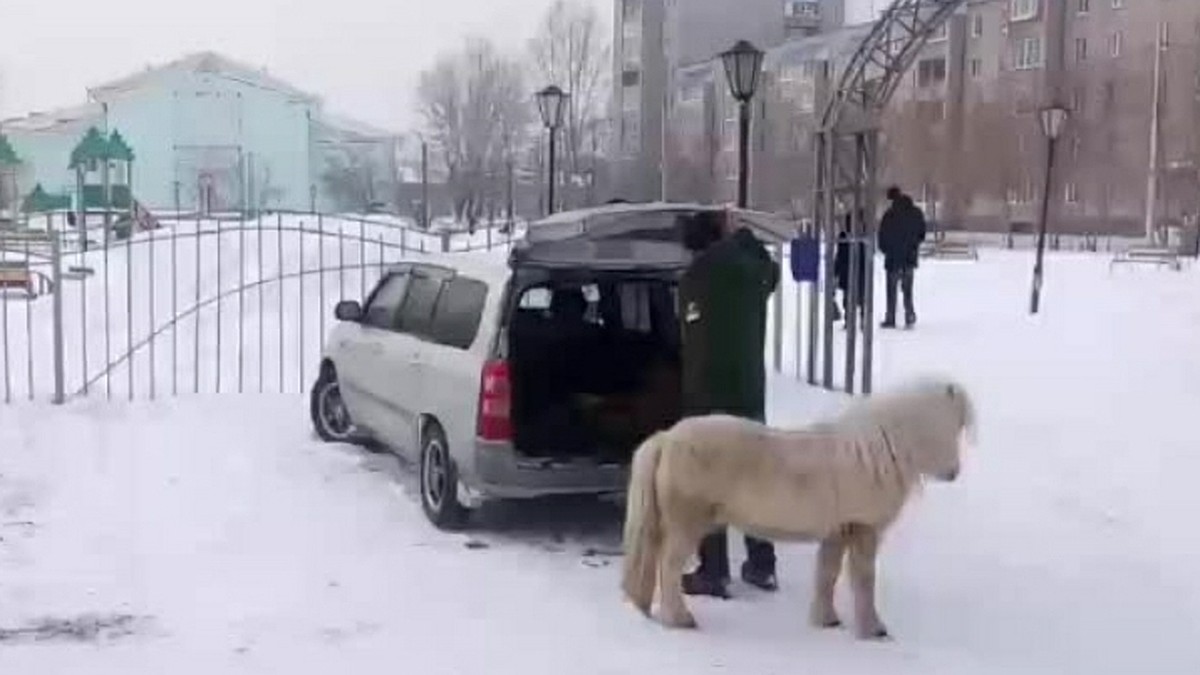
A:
(723, 310)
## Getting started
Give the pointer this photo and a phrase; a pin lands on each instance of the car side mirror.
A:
(348, 310)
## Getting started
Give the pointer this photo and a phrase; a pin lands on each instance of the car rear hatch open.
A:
(591, 337)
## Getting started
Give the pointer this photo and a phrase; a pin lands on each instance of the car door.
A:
(453, 363)
(399, 375)
(362, 351)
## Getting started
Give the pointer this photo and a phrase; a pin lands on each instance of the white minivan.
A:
(523, 377)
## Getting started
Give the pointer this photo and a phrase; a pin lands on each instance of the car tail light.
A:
(495, 402)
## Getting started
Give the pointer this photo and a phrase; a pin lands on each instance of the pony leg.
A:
(829, 565)
(864, 547)
(675, 552)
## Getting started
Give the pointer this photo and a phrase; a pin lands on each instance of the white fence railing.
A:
(200, 305)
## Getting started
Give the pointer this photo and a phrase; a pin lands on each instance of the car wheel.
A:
(330, 416)
(439, 482)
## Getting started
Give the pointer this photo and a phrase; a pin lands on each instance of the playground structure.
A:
(847, 173)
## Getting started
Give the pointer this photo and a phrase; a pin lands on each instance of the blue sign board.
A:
(806, 258)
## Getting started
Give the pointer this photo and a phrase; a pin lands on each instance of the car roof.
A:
(634, 236)
(771, 228)
(490, 267)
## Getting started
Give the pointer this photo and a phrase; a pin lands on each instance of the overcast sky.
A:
(362, 56)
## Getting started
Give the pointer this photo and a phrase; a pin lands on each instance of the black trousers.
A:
(899, 279)
(714, 555)
(846, 304)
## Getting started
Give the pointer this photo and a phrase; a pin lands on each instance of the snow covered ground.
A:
(212, 534)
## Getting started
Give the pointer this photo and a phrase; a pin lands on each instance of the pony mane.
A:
(912, 419)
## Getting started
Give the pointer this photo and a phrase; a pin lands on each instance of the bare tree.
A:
(477, 113)
(573, 50)
(349, 179)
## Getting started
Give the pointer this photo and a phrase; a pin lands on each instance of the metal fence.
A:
(205, 305)
(199, 305)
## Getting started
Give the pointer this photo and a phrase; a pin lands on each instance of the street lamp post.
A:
(743, 66)
(551, 103)
(1053, 118)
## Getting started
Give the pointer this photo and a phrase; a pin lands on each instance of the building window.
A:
(1081, 53)
(729, 134)
(631, 50)
(631, 132)
(1028, 54)
(1071, 193)
(976, 67)
(941, 33)
(1076, 148)
(630, 78)
(631, 10)
(1084, 6)
(1078, 100)
(931, 72)
(1116, 43)
(798, 9)
(977, 25)
(1022, 10)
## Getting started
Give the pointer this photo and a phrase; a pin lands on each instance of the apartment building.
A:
(701, 141)
(963, 133)
(656, 40)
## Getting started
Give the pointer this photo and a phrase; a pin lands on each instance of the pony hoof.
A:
(682, 623)
(878, 635)
(825, 619)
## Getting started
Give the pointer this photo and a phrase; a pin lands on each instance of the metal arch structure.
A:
(847, 157)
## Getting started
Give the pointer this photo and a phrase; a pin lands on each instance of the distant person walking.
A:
(901, 233)
(841, 273)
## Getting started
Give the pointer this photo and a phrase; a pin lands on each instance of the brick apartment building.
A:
(962, 134)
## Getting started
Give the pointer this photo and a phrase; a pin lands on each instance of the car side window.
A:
(459, 312)
(416, 315)
(384, 305)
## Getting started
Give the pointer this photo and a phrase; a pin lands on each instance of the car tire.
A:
(439, 482)
(330, 417)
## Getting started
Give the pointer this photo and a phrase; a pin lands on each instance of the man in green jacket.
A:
(723, 309)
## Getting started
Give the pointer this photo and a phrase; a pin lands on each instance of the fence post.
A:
(59, 366)
(777, 318)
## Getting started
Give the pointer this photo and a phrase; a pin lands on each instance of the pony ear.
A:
(951, 391)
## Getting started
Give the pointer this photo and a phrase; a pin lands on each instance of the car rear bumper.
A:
(500, 472)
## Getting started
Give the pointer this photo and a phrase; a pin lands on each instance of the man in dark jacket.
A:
(723, 310)
(901, 233)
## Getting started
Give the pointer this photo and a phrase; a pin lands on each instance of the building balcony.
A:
(802, 16)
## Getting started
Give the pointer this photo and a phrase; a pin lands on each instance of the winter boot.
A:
(699, 583)
(759, 578)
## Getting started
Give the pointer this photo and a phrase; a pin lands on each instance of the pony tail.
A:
(643, 530)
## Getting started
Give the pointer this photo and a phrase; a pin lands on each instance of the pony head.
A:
(928, 423)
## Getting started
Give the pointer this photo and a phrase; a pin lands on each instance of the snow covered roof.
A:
(345, 128)
(63, 119)
(208, 63)
(835, 45)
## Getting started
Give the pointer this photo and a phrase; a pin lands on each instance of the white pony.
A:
(841, 483)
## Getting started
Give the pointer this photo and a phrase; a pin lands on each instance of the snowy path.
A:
(1068, 546)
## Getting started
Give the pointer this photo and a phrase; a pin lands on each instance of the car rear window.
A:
(459, 312)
